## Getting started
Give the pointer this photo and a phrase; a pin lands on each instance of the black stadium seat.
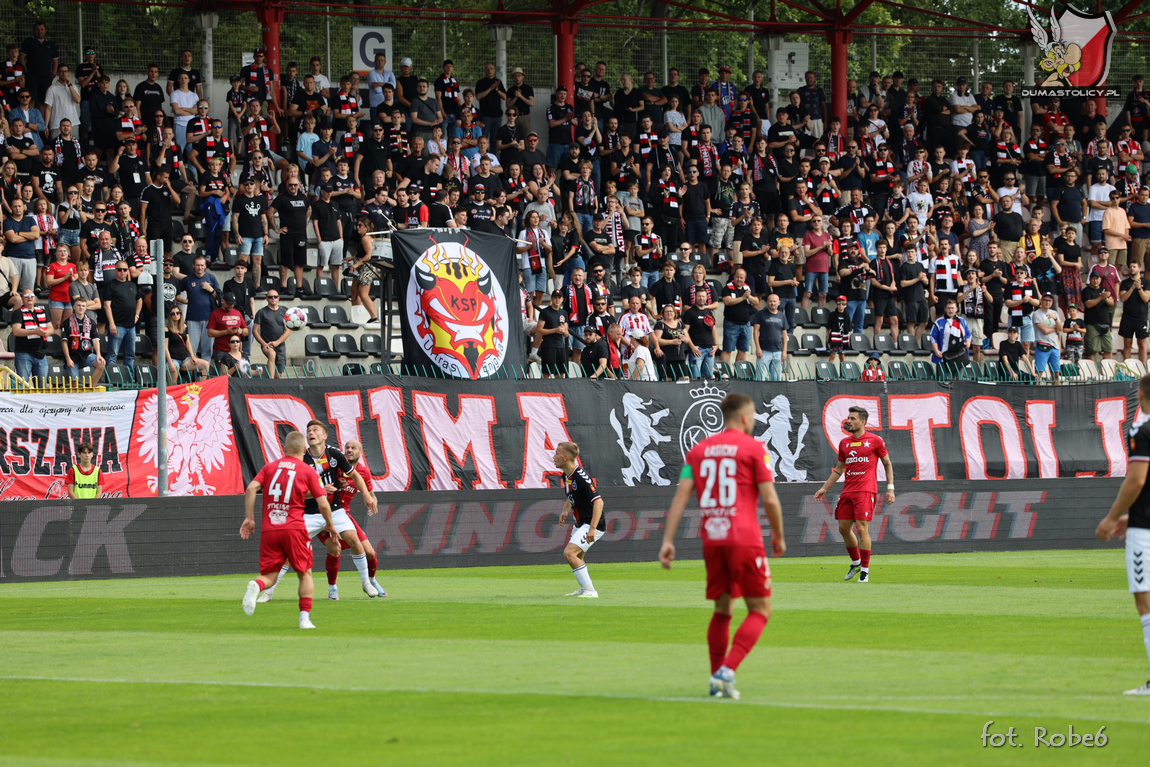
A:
(336, 315)
(316, 346)
(372, 344)
(313, 318)
(345, 345)
(326, 288)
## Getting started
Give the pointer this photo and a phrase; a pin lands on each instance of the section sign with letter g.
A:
(366, 42)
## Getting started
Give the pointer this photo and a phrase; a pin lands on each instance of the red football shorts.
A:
(741, 571)
(324, 534)
(279, 546)
(857, 506)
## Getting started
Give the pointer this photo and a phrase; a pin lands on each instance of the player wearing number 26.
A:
(729, 473)
(286, 484)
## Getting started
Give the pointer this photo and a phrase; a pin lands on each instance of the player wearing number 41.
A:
(582, 499)
(329, 464)
(858, 466)
(287, 483)
(729, 473)
(1130, 517)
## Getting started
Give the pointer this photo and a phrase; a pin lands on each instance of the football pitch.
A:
(494, 666)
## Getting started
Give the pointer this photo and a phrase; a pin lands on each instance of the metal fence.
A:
(128, 38)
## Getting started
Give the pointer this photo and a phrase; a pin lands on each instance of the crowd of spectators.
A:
(661, 229)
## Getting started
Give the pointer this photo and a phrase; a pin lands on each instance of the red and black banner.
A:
(428, 434)
(459, 302)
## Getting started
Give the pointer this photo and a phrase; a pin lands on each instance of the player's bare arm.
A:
(564, 513)
(675, 516)
(774, 511)
(889, 468)
(249, 524)
(836, 472)
(596, 514)
(1113, 525)
(367, 493)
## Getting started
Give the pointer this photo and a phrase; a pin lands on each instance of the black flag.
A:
(460, 302)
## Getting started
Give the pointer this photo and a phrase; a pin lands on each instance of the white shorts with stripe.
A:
(579, 537)
(315, 523)
(1138, 559)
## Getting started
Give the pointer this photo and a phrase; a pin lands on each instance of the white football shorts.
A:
(1138, 559)
(579, 537)
(315, 523)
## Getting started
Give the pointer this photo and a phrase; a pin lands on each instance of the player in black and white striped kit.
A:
(1130, 516)
(583, 499)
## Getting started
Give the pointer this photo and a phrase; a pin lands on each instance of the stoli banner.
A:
(428, 434)
(460, 302)
(40, 437)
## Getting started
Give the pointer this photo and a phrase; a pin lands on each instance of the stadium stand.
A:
(891, 217)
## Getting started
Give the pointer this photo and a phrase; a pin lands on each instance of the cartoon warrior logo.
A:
(457, 310)
(1076, 51)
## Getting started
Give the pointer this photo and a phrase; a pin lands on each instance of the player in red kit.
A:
(729, 473)
(859, 455)
(353, 451)
(286, 483)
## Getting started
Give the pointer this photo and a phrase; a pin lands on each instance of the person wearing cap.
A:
(1047, 337)
(1134, 293)
(551, 332)
(521, 96)
(88, 74)
(1010, 355)
(975, 303)
(873, 371)
(963, 104)
(1099, 302)
(250, 223)
(1111, 276)
(229, 328)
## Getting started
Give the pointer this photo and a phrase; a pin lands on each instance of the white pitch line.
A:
(612, 696)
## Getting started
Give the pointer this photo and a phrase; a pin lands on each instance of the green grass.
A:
(493, 666)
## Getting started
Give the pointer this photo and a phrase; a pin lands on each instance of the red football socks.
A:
(718, 638)
(853, 553)
(745, 638)
(865, 557)
(305, 604)
(332, 566)
(372, 562)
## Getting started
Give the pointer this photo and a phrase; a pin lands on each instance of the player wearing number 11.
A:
(286, 483)
(729, 473)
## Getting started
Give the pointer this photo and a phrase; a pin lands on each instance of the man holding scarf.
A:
(950, 339)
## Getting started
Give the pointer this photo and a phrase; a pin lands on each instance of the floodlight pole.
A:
(161, 379)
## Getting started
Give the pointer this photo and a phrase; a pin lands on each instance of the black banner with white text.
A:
(435, 434)
(146, 537)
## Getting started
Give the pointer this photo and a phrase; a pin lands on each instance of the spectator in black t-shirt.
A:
(1097, 300)
(244, 290)
(596, 359)
(1009, 227)
(740, 306)
(636, 288)
(1134, 293)
(700, 322)
(1009, 353)
(552, 328)
(666, 291)
(913, 281)
(156, 213)
(293, 210)
(122, 306)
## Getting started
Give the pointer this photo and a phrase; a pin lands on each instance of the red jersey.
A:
(344, 495)
(727, 469)
(286, 483)
(861, 456)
